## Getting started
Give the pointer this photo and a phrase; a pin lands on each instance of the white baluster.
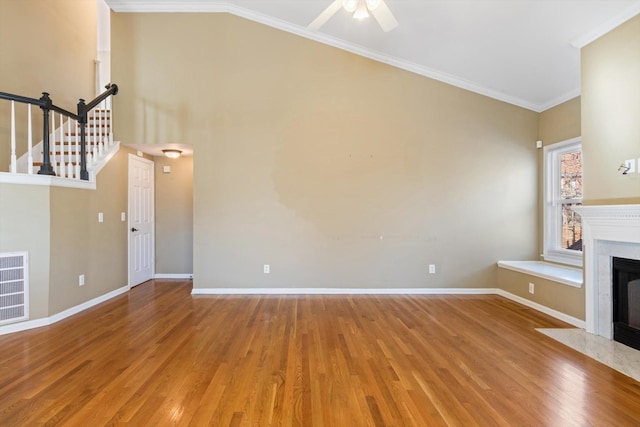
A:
(13, 138)
(99, 134)
(77, 174)
(99, 125)
(69, 150)
(105, 131)
(52, 144)
(110, 120)
(63, 166)
(29, 142)
(88, 148)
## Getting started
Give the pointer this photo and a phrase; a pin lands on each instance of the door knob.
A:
(133, 229)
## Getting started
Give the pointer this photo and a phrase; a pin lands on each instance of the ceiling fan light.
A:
(361, 12)
(372, 4)
(350, 5)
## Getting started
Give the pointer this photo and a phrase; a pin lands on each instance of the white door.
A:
(141, 227)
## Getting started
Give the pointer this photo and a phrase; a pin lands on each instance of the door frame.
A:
(153, 217)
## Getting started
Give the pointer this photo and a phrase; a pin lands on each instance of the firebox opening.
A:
(626, 301)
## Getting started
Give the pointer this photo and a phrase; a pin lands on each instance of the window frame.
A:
(552, 220)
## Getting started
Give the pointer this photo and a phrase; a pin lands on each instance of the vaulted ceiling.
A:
(525, 52)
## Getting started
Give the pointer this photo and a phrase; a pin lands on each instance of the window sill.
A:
(566, 275)
(563, 257)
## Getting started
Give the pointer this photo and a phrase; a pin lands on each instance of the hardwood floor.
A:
(158, 356)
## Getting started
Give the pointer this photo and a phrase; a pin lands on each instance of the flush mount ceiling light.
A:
(172, 153)
(360, 10)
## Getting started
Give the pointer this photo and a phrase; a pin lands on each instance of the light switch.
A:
(100, 217)
(123, 216)
(166, 169)
(631, 164)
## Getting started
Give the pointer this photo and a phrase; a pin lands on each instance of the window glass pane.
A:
(571, 175)
(571, 228)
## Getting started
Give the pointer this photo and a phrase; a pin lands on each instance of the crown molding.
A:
(210, 6)
(609, 25)
(559, 100)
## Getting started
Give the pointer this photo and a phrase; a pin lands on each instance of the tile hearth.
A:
(618, 356)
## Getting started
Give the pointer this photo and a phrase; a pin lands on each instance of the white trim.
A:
(342, 291)
(31, 324)
(16, 327)
(46, 180)
(558, 273)
(151, 164)
(607, 26)
(206, 6)
(552, 222)
(173, 276)
(614, 223)
(542, 308)
(386, 291)
(558, 100)
(104, 160)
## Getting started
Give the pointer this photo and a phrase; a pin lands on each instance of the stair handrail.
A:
(46, 105)
(83, 110)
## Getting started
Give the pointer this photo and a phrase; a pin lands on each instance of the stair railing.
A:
(82, 117)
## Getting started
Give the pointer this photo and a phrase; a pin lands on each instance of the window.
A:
(563, 191)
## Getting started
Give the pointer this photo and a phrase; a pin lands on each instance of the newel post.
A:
(45, 168)
(82, 115)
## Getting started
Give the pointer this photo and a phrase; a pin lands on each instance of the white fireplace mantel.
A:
(603, 226)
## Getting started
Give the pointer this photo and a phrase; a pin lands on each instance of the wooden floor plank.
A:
(160, 356)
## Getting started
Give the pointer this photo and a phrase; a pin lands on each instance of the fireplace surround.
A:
(608, 231)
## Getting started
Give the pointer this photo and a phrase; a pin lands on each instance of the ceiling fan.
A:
(360, 10)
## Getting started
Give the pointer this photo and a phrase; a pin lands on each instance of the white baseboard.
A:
(173, 276)
(392, 291)
(341, 291)
(544, 309)
(36, 323)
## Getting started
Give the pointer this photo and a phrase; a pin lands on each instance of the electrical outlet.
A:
(432, 269)
(532, 288)
(266, 269)
(81, 280)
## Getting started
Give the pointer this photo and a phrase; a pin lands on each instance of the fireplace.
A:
(626, 301)
(608, 232)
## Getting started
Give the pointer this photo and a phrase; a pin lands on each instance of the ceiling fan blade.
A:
(325, 15)
(385, 18)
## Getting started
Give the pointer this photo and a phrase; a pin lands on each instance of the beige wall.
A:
(25, 227)
(556, 124)
(50, 46)
(82, 245)
(59, 229)
(336, 170)
(45, 46)
(563, 298)
(174, 215)
(610, 118)
(561, 122)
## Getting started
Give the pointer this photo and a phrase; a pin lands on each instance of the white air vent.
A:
(14, 287)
